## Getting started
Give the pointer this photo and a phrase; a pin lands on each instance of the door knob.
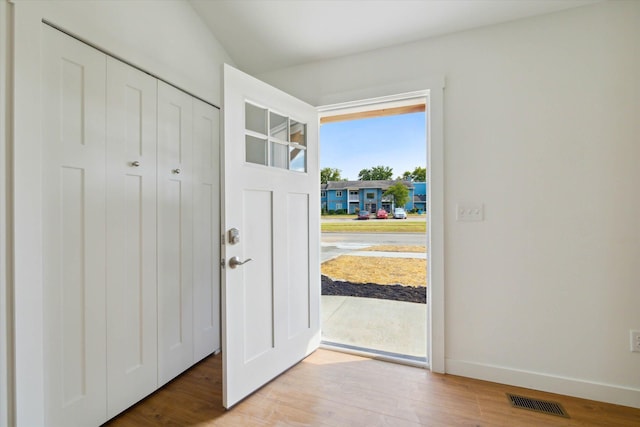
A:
(135, 164)
(235, 261)
(176, 171)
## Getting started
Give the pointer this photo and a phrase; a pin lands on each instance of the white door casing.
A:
(270, 305)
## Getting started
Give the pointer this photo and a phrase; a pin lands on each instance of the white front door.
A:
(271, 195)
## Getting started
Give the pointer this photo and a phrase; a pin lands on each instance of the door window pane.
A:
(255, 118)
(256, 150)
(298, 159)
(278, 127)
(298, 132)
(279, 155)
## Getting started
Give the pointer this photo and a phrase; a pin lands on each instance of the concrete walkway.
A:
(382, 325)
(414, 255)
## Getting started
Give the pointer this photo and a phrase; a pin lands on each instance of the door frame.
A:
(6, 314)
(371, 99)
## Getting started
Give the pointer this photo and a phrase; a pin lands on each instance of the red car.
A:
(382, 214)
(363, 215)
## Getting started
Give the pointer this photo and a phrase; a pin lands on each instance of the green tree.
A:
(329, 174)
(400, 194)
(375, 173)
(419, 174)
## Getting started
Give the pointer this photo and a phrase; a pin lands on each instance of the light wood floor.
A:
(336, 389)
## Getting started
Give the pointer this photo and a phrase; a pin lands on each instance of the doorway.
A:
(374, 266)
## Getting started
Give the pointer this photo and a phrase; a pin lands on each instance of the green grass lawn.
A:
(380, 226)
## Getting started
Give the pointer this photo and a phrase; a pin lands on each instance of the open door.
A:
(271, 214)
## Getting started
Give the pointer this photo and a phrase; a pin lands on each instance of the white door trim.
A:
(435, 168)
(6, 326)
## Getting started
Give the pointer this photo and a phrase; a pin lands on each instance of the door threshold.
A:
(385, 356)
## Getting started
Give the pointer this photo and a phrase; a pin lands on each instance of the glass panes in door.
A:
(274, 139)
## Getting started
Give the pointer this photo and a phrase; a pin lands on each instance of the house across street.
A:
(353, 196)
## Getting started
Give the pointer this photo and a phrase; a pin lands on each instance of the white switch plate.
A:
(469, 212)
(635, 341)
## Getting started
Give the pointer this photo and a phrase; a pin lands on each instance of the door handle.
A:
(235, 261)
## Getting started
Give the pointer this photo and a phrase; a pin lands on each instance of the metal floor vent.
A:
(537, 405)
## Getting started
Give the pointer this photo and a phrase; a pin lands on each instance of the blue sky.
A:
(394, 141)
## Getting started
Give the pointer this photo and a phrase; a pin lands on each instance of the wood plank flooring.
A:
(336, 389)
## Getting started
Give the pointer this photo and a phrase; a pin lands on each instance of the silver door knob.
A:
(176, 171)
(135, 164)
(235, 261)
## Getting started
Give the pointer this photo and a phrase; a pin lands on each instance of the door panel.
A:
(271, 304)
(74, 231)
(257, 276)
(206, 220)
(132, 371)
(175, 232)
(299, 315)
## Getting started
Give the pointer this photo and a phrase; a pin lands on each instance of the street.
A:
(336, 244)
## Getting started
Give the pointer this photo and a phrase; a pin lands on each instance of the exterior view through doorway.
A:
(374, 228)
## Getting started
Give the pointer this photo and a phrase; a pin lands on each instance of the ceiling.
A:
(266, 35)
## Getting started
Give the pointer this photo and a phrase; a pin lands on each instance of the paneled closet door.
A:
(175, 232)
(73, 226)
(132, 370)
(206, 212)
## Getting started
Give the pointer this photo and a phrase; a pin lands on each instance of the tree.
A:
(419, 174)
(400, 194)
(375, 173)
(329, 174)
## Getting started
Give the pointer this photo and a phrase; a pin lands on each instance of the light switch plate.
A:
(469, 212)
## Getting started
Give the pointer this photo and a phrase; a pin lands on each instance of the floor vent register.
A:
(537, 405)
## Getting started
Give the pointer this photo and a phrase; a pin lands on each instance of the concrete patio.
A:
(392, 328)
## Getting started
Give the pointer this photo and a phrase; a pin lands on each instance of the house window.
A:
(338, 206)
(371, 195)
(338, 193)
(353, 193)
(323, 194)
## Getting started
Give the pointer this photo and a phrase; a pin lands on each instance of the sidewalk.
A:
(414, 255)
(376, 324)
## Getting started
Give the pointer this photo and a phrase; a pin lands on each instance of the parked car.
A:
(382, 214)
(363, 215)
(399, 213)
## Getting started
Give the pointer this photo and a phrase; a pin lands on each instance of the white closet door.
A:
(175, 232)
(206, 212)
(132, 371)
(73, 221)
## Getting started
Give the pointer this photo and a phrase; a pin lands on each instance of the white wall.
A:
(542, 126)
(165, 38)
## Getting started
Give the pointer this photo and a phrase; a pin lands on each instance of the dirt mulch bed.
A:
(373, 290)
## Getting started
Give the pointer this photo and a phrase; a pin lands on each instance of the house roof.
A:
(357, 185)
(419, 197)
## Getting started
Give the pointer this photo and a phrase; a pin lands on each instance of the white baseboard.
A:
(602, 392)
